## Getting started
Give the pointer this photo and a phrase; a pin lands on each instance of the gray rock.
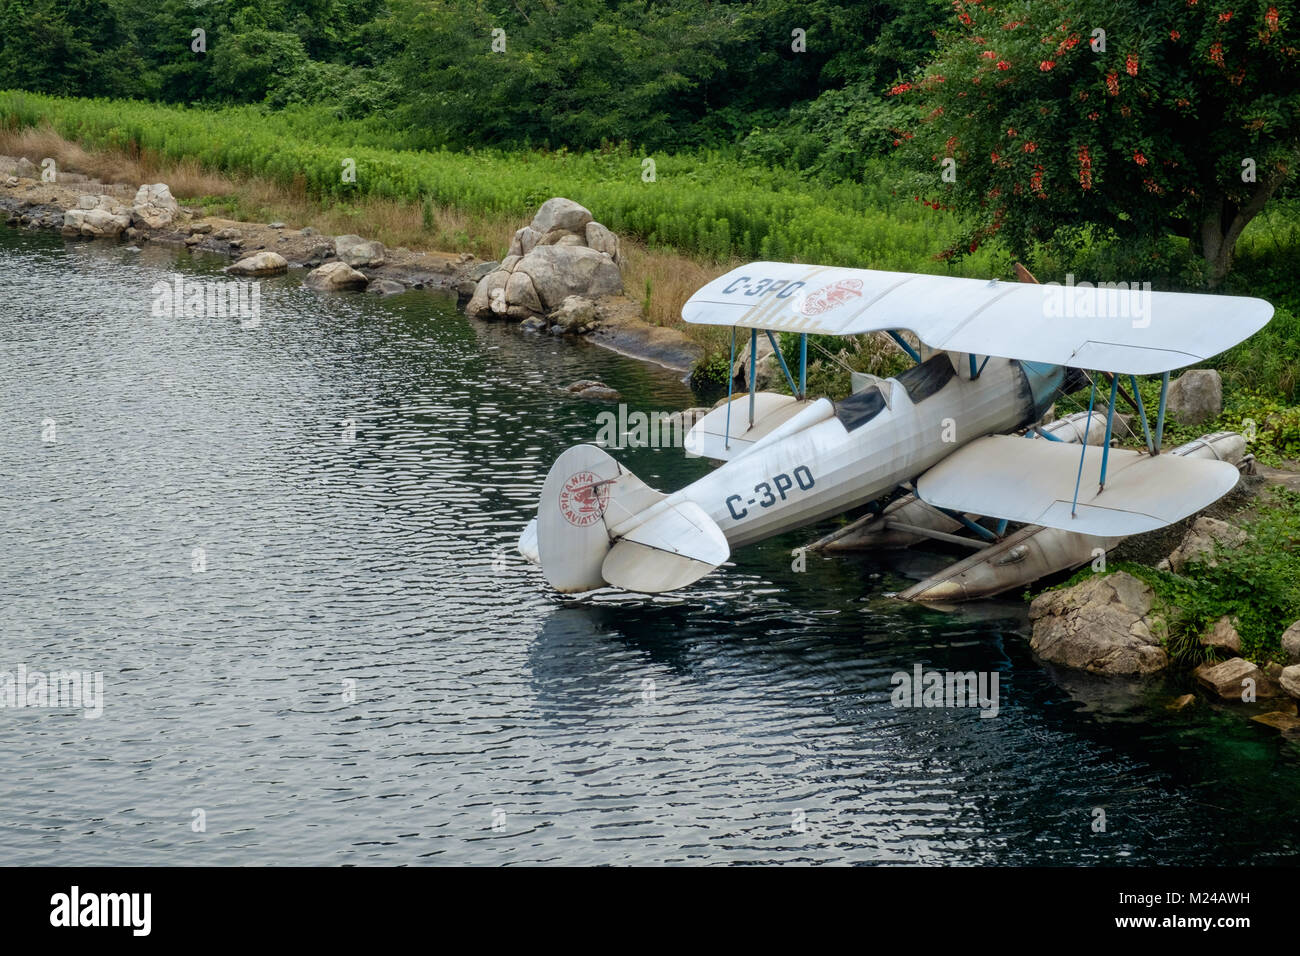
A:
(26, 169)
(1203, 538)
(260, 264)
(521, 297)
(202, 228)
(102, 219)
(357, 252)
(560, 213)
(1290, 680)
(385, 287)
(482, 269)
(275, 225)
(1223, 636)
(334, 276)
(561, 271)
(1196, 396)
(1103, 625)
(307, 231)
(533, 324)
(524, 241)
(489, 298)
(154, 206)
(575, 312)
(602, 240)
(1228, 679)
(1291, 643)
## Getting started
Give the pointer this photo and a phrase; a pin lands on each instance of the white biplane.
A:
(995, 356)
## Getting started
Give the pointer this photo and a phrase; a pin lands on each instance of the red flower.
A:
(1131, 64)
(1174, 34)
(1139, 158)
(1216, 53)
(1046, 65)
(988, 55)
(1011, 131)
(1112, 84)
(1270, 18)
(1030, 147)
(1225, 17)
(964, 18)
(1003, 65)
(900, 88)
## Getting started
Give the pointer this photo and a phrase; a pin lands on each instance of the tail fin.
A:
(598, 524)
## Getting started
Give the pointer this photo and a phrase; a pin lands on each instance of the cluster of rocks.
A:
(1112, 624)
(556, 269)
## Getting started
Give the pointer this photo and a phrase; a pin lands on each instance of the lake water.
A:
(318, 645)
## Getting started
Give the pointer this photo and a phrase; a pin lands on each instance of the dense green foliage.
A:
(575, 73)
(1111, 116)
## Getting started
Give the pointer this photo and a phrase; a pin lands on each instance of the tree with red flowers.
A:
(1135, 117)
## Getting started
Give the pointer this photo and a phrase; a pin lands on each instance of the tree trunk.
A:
(1223, 221)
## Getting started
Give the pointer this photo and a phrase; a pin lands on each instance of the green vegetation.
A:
(1095, 116)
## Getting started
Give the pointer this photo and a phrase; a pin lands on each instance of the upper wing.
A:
(1129, 331)
(1033, 481)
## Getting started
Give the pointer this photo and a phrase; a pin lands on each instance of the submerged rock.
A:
(1234, 679)
(1102, 625)
(260, 264)
(385, 287)
(335, 275)
(590, 388)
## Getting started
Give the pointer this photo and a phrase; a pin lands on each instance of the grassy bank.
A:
(685, 219)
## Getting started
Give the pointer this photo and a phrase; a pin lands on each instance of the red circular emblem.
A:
(829, 296)
(583, 499)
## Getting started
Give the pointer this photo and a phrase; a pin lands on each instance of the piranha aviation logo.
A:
(831, 296)
(583, 499)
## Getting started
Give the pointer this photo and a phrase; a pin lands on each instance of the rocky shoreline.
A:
(82, 208)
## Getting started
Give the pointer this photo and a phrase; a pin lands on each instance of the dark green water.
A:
(699, 726)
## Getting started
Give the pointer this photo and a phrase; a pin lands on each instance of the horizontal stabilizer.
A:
(1033, 481)
(676, 547)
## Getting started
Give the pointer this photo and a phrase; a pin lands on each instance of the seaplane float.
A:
(952, 449)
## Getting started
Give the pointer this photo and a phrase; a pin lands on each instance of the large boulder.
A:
(1290, 680)
(1203, 538)
(260, 264)
(358, 252)
(1104, 625)
(561, 271)
(1196, 396)
(333, 276)
(563, 252)
(1229, 680)
(1291, 643)
(154, 206)
(98, 217)
(560, 213)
